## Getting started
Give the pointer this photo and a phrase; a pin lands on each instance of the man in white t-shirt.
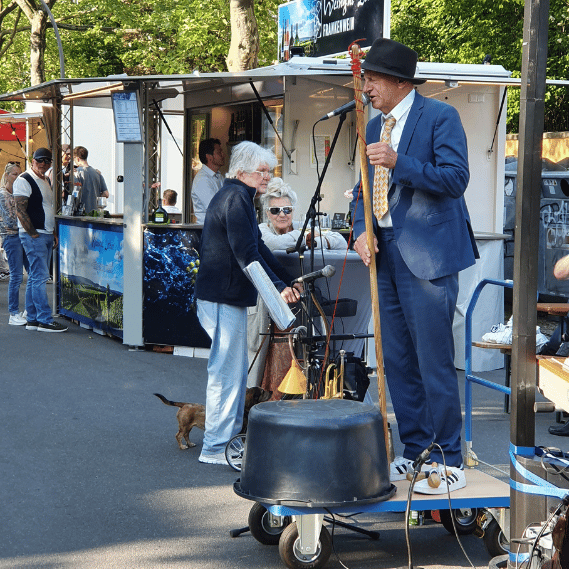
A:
(169, 199)
(34, 201)
(208, 181)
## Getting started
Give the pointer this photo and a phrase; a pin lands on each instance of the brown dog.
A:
(192, 415)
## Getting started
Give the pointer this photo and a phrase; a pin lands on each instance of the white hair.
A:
(276, 189)
(247, 157)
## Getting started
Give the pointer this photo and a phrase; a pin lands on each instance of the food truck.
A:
(120, 274)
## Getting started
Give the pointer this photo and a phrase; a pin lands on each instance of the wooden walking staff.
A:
(356, 54)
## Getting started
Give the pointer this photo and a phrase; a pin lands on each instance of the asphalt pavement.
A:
(91, 476)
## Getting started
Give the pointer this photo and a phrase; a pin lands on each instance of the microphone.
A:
(422, 458)
(346, 108)
(327, 271)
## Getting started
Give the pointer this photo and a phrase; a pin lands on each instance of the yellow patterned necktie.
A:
(381, 175)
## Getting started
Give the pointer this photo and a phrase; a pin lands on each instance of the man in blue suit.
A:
(422, 242)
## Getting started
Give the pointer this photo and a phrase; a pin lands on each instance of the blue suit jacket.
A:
(430, 219)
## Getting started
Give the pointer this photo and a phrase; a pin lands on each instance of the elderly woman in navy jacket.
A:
(231, 240)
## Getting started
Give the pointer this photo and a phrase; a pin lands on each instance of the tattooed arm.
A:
(22, 213)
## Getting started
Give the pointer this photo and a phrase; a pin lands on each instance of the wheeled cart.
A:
(305, 543)
(298, 528)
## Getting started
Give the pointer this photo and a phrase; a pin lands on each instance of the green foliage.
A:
(141, 37)
(464, 31)
(137, 37)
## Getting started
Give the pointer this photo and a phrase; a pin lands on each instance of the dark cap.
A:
(392, 58)
(42, 153)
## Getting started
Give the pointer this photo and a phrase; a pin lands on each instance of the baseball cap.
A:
(42, 153)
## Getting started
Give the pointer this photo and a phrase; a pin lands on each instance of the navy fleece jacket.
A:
(231, 239)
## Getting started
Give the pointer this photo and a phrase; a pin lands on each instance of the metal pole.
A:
(524, 507)
(57, 37)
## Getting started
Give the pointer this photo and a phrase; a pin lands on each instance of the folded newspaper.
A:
(278, 309)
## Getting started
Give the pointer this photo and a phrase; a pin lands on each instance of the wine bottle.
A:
(160, 215)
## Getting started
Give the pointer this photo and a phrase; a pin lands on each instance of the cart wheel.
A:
(295, 559)
(234, 451)
(260, 527)
(495, 541)
(464, 518)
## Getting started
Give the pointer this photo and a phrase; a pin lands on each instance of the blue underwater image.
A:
(171, 263)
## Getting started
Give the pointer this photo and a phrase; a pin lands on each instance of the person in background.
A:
(422, 238)
(66, 165)
(11, 242)
(92, 182)
(278, 232)
(231, 240)
(34, 201)
(558, 344)
(208, 180)
(169, 199)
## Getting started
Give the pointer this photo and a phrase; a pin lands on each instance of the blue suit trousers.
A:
(418, 351)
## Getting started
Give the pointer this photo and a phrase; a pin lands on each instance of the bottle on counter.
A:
(160, 215)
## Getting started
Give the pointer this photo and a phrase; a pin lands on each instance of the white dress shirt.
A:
(400, 112)
(205, 185)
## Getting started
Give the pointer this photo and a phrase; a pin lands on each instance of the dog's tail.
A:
(168, 402)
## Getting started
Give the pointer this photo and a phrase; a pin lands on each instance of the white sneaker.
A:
(402, 468)
(499, 334)
(213, 459)
(17, 320)
(438, 478)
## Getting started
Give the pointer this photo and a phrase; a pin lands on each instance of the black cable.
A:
(543, 528)
(332, 538)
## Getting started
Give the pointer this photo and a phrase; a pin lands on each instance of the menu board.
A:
(127, 116)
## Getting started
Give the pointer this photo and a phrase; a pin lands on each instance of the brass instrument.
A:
(334, 387)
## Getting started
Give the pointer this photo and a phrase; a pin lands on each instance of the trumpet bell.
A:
(294, 382)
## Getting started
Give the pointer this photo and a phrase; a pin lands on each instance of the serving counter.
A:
(92, 279)
(91, 285)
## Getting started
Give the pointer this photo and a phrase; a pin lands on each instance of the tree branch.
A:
(10, 40)
(10, 8)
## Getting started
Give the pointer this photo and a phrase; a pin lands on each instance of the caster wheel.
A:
(294, 558)
(234, 451)
(495, 541)
(464, 519)
(259, 525)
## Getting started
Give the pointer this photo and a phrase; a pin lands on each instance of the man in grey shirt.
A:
(92, 183)
(208, 181)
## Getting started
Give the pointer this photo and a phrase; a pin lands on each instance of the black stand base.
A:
(374, 535)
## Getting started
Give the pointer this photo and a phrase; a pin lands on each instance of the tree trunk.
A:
(37, 47)
(244, 47)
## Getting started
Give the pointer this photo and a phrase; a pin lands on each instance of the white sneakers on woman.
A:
(17, 320)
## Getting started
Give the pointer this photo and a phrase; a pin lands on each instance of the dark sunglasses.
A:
(287, 210)
(43, 160)
(10, 164)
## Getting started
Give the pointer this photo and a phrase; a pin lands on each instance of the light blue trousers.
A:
(227, 372)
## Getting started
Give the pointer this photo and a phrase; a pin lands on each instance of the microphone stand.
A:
(311, 217)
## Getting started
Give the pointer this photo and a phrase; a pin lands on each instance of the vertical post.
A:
(522, 424)
(133, 244)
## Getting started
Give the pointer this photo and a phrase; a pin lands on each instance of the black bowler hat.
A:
(392, 58)
(42, 153)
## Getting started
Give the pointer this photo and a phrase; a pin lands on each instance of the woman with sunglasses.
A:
(278, 232)
(11, 242)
